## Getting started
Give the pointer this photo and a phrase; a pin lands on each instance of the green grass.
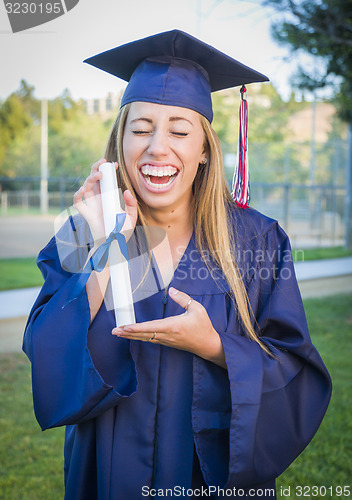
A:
(31, 460)
(320, 253)
(327, 460)
(19, 273)
(32, 463)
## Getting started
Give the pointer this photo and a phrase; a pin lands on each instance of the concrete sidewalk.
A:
(17, 303)
(15, 306)
(317, 269)
(319, 278)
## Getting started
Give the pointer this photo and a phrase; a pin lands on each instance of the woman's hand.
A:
(87, 200)
(191, 331)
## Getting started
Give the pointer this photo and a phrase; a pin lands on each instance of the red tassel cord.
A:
(240, 181)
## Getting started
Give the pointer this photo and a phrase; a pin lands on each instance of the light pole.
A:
(44, 159)
(348, 205)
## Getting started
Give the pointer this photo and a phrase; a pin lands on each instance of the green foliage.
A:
(61, 110)
(76, 140)
(23, 155)
(17, 114)
(322, 29)
(30, 103)
(268, 114)
(80, 142)
(14, 119)
(268, 117)
(225, 106)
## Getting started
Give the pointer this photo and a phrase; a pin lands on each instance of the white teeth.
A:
(158, 171)
(159, 186)
(152, 170)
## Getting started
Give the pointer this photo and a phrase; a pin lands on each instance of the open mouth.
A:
(159, 177)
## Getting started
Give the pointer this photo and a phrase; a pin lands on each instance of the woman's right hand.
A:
(87, 200)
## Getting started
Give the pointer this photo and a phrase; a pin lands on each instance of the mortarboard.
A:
(177, 69)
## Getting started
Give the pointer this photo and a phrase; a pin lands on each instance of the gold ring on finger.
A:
(153, 337)
(187, 305)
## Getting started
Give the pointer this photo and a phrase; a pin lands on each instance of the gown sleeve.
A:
(275, 403)
(67, 386)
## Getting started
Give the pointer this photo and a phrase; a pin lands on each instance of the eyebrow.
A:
(148, 120)
(171, 119)
(179, 118)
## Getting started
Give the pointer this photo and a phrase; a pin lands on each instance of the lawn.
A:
(327, 460)
(19, 273)
(320, 253)
(31, 460)
(32, 463)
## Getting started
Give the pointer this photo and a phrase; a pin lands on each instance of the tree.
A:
(62, 109)
(76, 139)
(30, 103)
(14, 120)
(17, 114)
(267, 129)
(322, 29)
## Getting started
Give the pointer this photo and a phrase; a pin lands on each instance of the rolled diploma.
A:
(119, 272)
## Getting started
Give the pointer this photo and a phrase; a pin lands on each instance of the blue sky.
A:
(50, 56)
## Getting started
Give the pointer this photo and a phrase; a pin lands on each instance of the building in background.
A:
(104, 106)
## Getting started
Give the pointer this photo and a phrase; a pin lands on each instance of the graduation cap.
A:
(177, 69)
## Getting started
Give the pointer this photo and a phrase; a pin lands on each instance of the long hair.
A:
(211, 216)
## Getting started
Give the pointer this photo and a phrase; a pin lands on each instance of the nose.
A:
(159, 144)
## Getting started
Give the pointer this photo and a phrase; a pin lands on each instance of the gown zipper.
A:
(164, 302)
(165, 298)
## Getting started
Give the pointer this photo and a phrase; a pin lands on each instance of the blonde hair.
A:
(211, 219)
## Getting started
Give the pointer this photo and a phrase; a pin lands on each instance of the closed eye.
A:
(140, 132)
(180, 134)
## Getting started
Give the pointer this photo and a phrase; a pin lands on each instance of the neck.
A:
(178, 226)
(176, 221)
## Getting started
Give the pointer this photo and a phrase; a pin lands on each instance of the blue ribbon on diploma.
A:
(98, 260)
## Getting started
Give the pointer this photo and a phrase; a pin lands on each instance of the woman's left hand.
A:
(191, 331)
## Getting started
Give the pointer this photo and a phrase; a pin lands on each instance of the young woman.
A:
(217, 387)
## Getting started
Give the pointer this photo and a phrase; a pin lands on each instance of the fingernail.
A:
(173, 291)
(117, 331)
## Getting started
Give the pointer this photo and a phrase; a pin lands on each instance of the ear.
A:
(205, 154)
(203, 161)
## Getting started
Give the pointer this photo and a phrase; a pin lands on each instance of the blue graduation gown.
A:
(141, 416)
